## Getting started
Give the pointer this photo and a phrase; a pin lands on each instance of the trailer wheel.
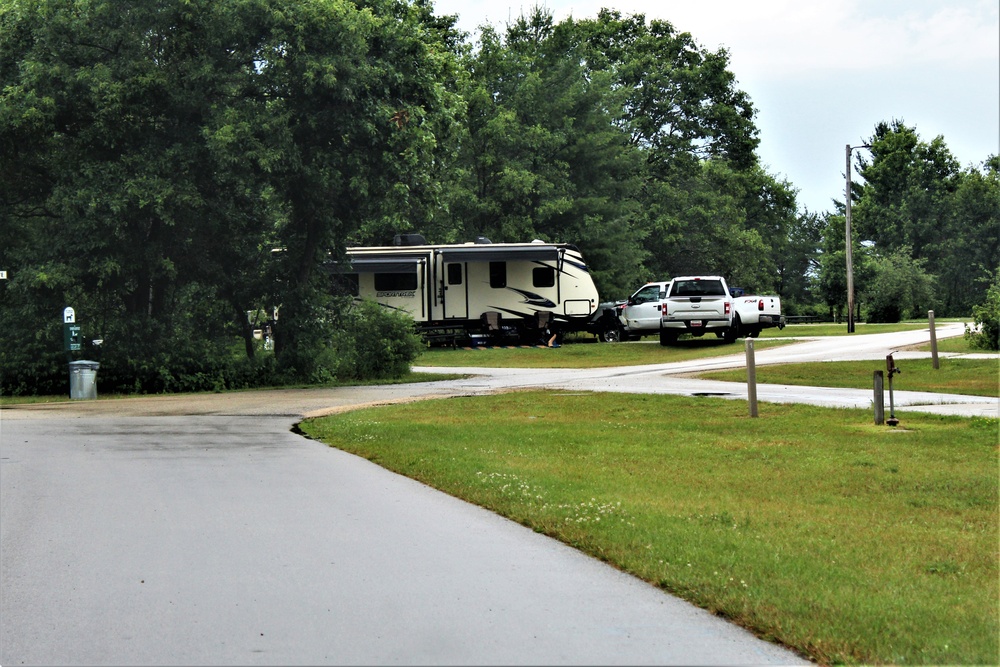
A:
(611, 334)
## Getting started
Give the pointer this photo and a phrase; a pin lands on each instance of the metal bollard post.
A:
(891, 369)
(751, 378)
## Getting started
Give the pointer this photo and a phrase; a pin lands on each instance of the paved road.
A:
(172, 530)
(231, 540)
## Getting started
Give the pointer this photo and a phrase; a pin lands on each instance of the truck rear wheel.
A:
(667, 337)
(733, 332)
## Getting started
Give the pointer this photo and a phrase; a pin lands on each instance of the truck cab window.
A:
(646, 294)
(698, 288)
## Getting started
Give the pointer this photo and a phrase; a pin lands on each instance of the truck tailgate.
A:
(696, 307)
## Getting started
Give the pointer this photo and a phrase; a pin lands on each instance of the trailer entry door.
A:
(456, 291)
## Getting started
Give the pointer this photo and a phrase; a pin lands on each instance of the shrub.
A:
(899, 288)
(372, 342)
(986, 334)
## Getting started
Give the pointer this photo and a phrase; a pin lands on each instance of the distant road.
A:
(670, 378)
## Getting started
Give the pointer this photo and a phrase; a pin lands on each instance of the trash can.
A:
(83, 379)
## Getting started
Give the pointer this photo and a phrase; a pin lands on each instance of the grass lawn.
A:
(975, 377)
(585, 354)
(957, 344)
(811, 527)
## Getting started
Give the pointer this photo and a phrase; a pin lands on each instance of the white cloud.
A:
(775, 38)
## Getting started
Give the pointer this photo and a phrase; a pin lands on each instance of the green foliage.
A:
(831, 281)
(915, 196)
(986, 334)
(625, 138)
(897, 288)
(374, 343)
(151, 157)
(545, 157)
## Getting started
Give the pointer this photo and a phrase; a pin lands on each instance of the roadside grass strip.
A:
(973, 377)
(811, 527)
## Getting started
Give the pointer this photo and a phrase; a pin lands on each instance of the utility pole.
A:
(849, 245)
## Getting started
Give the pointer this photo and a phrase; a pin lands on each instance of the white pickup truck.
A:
(698, 305)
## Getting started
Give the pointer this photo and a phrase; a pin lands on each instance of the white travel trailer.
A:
(505, 290)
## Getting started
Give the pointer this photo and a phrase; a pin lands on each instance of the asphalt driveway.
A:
(229, 540)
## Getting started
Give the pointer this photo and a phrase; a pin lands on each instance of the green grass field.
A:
(975, 377)
(848, 542)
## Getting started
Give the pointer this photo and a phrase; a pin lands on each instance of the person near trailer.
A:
(552, 334)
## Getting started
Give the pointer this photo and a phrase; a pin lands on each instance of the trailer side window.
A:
(395, 282)
(347, 283)
(543, 276)
(454, 274)
(498, 274)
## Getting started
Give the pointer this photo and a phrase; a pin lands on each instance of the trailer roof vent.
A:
(482, 240)
(409, 239)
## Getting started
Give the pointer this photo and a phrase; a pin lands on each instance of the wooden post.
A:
(934, 354)
(751, 378)
(879, 401)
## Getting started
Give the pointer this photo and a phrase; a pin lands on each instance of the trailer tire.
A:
(612, 334)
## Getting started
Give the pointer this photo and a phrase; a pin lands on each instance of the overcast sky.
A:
(822, 74)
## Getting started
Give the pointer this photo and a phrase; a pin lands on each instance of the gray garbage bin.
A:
(83, 379)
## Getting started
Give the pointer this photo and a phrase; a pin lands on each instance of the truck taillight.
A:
(728, 306)
(760, 304)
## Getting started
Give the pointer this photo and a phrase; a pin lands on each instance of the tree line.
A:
(154, 155)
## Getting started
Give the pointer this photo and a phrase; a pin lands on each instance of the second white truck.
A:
(697, 305)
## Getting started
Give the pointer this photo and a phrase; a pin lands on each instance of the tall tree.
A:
(680, 101)
(625, 135)
(162, 148)
(545, 157)
(916, 196)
